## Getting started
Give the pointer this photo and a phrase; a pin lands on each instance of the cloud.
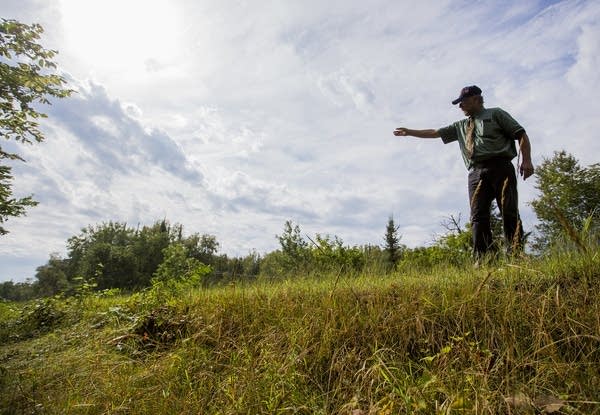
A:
(341, 88)
(260, 113)
(113, 140)
(583, 73)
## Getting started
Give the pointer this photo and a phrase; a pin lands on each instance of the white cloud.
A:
(584, 72)
(233, 117)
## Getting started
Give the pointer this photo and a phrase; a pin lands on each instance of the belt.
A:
(494, 161)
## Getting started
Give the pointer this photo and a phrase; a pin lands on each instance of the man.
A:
(487, 141)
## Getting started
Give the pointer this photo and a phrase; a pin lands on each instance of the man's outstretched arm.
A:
(402, 132)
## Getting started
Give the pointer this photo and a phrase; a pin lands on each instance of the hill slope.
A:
(523, 338)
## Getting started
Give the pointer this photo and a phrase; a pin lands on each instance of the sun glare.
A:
(133, 34)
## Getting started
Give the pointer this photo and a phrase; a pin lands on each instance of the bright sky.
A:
(232, 117)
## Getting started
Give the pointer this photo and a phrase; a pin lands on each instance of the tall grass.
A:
(519, 338)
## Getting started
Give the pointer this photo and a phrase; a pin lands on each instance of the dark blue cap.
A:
(467, 91)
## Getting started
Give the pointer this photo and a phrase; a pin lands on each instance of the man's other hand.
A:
(526, 169)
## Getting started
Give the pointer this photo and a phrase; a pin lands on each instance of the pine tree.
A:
(392, 245)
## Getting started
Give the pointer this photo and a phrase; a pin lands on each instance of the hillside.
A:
(517, 338)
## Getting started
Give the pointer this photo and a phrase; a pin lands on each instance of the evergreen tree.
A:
(392, 246)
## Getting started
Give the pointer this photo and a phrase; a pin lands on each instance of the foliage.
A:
(20, 291)
(520, 339)
(27, 79)
(201, 247)
(294, 248)
(227, 270)
(177, 273)
(52, 278)
(84, 287)
(454, 247)
(330, 254)
(115, 255)
(105, 252)
(34, 318)
(9, 206)
(273, 266)
(569, 197)
(178, 266)
(119, 256)
(458, 246)
(322, 254)
(392, 247)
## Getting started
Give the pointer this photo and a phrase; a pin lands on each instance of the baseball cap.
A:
(467, 91)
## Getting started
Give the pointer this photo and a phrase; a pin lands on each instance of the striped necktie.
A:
(469, 138)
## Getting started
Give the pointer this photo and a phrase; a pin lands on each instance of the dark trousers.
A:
(494, 179)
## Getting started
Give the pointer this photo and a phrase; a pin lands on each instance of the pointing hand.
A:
(401, 131)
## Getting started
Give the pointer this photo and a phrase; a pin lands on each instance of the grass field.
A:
(516, 338)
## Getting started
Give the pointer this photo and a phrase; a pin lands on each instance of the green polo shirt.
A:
(494, 135)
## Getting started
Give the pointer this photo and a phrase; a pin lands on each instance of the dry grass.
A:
(523, 338)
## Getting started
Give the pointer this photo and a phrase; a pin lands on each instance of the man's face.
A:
(470, 104)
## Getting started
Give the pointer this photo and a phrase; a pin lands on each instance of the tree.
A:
(324, 254)
(118, 256)
(202, 247)
(179, 266)
(569, 197)
(293, 247)
(330, 254)
(392, 246)
(457, 242)
(10, 207)
(20, 291)
(52, 277)
(148, 245)
(27, 78)
(105, 253)
(460, 240)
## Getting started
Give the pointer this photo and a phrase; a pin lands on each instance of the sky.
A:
(231, 117)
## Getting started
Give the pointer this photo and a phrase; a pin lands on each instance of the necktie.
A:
(469, 137)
